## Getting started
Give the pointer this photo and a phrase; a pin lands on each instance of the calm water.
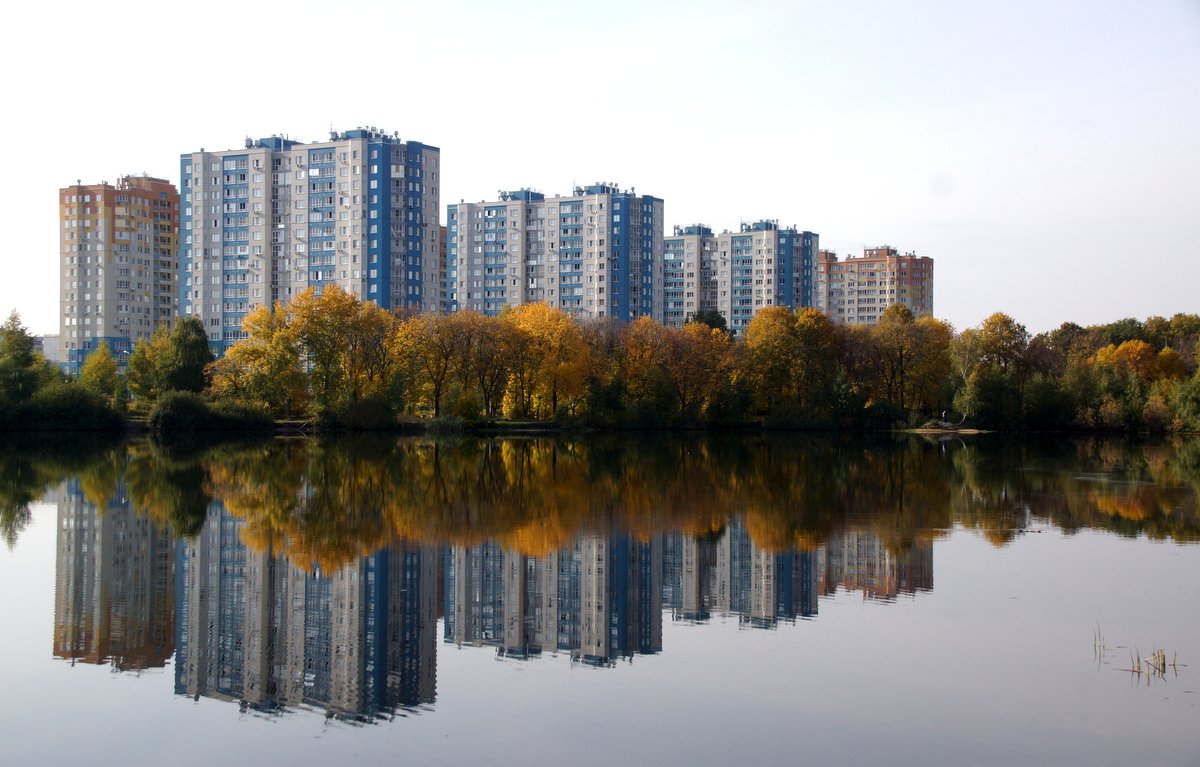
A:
(601, 601)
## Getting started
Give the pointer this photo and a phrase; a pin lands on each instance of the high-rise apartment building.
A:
(688, 285)
(118, 265)
(595, 253)
(736, 273)
(263, 223)
(858, 289)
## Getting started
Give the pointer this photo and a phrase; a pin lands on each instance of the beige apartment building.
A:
(856, 290)
(118, 265)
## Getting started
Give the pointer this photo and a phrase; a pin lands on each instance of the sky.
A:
(1045, 154)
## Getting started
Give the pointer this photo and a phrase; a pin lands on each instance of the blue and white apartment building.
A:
(595, 253)
(737, 273)
(263, 223)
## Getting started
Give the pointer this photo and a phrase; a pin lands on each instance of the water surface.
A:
(675, 601)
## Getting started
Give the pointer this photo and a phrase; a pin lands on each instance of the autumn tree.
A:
(553, 359)
(142, 369)
(264, 369)
(913, 358)
(431, 346)
(772, 345)
(697, 358)
(991, 362)
(99, 373)
(816, 362)
(643, 359)
(348, 345)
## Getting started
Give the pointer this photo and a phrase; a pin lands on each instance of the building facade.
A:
(596, 253)
(736, 273)
(263, 223)
(688, 284)
(118, 265)
(857, 290)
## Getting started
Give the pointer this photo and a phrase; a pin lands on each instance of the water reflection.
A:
(291, 573)
(114, 584)
(357, 641)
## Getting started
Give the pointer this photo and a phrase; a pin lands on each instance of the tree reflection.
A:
(327, 501)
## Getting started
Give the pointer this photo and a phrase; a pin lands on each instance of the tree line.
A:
(335, 358)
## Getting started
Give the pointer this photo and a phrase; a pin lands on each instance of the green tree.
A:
(22, 370)
(143, 371)
(711, 317)
(184, 367)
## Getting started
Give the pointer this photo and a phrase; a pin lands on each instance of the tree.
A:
(322, 323)
(429, 343)
(264, 368)
(816, 363)
(16, 343)
(991, 361)
(184, 365)
(22, 370)
(711, 317)
(697, 358)
(552, 361)
(643, 359)
(771, 356)
(143, 371)
(99, 373)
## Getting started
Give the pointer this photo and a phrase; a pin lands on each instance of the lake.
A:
(602, 599)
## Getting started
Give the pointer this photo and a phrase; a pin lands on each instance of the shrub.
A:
(367, 414)
(180, 412)
(64, 406)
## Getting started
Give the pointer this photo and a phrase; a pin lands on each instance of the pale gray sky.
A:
(1046, 154)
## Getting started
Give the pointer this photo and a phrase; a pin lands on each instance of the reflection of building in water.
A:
(599, 600)
(113, 598)
(359, 641)
(859, 561)
(732, 575)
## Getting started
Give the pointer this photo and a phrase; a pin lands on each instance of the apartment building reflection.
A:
(730, 575)
(597, 602)
(859, 561)
(114, 597)
(359, 642)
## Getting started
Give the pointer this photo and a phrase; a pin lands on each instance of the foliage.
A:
(265, 368)
(348, 345)
(186, 412)
(324, 353)
(170, 360)
(99, 374)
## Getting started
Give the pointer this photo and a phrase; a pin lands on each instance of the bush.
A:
(464, 405)
(179, 412)
(368, 414)
(239, 416)
(63, 406)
